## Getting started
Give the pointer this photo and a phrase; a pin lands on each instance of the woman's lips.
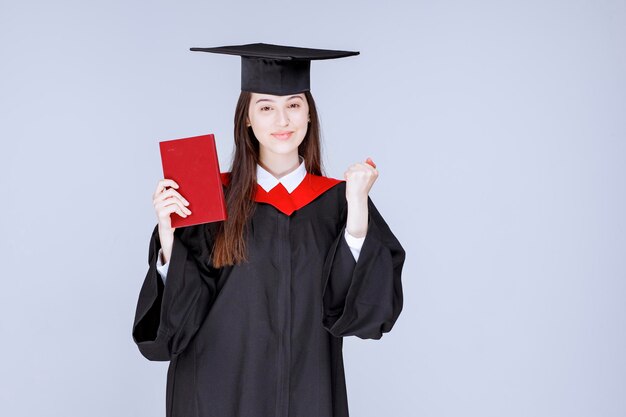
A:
(282, 135)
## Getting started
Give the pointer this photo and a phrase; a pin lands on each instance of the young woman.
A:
(251, 311)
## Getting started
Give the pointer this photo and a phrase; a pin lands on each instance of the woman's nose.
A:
(283, 118)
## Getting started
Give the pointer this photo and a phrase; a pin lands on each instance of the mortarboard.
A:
(276, 69)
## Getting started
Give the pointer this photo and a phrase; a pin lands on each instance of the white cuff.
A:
(354, 243)
(162, 268)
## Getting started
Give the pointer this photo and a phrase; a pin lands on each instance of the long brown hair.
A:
(230, 245)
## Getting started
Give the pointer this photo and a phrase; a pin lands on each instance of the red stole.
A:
(311, 187)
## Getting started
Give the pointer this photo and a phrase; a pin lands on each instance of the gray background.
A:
(499, 131)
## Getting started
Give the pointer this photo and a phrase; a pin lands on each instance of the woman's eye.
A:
(295, 105)
(265, 107)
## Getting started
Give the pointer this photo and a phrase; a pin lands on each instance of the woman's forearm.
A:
(167, 241)
(357, 216)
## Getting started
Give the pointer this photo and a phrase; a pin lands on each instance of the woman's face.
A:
(279, 122)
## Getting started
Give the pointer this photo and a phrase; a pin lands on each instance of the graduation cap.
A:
(276, 69)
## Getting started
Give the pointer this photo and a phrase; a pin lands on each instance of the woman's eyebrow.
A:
(269, 99)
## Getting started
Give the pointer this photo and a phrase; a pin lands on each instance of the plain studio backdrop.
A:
(499, 130)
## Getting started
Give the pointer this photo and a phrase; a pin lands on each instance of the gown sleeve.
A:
(363, 297)
(169, 314)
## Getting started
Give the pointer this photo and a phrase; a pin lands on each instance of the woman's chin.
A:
(282, 147)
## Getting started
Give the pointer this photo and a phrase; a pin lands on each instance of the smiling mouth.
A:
(282, 135)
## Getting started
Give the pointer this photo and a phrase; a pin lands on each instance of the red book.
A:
(193, 164)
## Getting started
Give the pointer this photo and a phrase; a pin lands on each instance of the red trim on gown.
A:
(311, 187)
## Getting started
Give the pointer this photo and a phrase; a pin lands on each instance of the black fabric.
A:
(272, 51)
(272, 76)
(276, 69)
(264, 338)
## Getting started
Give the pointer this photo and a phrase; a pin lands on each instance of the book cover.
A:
(193, 163)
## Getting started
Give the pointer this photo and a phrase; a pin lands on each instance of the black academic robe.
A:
(264, 338)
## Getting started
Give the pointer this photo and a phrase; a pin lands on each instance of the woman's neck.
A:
(279, 165)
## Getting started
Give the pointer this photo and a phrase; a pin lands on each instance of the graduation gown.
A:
(264, 338)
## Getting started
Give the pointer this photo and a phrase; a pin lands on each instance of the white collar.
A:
(290, 181)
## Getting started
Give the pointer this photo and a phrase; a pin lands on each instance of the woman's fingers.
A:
(167, 201)
(170, 192)
(165, 197)
(360, 177)
(165, 211)
(162, 184)
(362, 168)
(172, 200)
